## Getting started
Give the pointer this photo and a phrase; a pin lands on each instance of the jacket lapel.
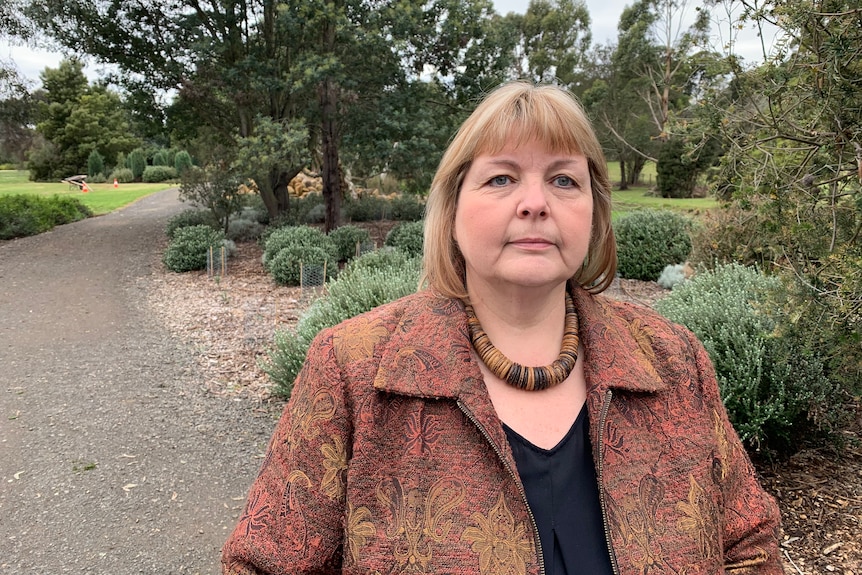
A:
(617, 345)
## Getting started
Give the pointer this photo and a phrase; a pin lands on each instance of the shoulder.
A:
(630, 314)
(422, 315)
(617, 322)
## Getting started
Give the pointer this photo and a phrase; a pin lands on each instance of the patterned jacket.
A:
(390, 458)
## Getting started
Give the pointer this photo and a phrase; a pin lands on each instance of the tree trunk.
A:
(275, 195)
(624, 182)
(331, 172)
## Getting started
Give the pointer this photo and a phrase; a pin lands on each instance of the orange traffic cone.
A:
(84, 188)
(116, 185)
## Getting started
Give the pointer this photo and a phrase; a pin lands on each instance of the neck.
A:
(525, 327)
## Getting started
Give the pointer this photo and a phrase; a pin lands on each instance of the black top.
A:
(563, 495)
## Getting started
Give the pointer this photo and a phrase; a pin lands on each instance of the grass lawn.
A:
(638, 198)
(102, 198)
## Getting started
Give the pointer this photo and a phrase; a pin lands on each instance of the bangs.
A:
(557, 124)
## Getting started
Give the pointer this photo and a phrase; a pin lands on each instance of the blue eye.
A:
(564, 182)
(500, 180)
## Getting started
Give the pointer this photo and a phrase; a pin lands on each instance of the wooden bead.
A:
(521, 376)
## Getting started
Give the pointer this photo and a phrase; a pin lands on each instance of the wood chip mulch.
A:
(229, 321)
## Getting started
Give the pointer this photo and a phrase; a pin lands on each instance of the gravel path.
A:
(113, 458)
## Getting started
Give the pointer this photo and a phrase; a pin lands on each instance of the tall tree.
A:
(556, 37)
(74, 119)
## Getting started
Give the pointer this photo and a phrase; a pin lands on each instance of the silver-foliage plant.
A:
(773, 386)
(368, 281)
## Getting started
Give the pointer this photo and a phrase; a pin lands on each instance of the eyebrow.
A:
(556, 164)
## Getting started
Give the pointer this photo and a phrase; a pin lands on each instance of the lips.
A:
(532, 242)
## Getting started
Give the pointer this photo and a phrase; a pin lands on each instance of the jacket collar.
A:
(429, 351)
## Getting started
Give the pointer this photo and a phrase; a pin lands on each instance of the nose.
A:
(533, 201)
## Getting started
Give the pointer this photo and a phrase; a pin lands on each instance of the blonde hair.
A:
(514, 113)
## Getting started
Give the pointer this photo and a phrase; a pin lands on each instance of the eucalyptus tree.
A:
(556, 36)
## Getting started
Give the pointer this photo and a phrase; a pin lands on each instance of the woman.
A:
(416, 440)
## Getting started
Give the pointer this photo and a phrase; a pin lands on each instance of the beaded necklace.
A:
(521, 376)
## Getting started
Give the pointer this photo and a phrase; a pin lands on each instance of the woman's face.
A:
(524, 217)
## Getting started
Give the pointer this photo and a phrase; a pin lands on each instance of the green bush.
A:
(154, 174)
(383, 259)
(162, 158)
(188, 218)
(122, 175)
(346, 238)
(407, 208)
(289, 236)
(774, 387)
(367, 209)
(672, 276)
(26, 215)
(649, 240)
(732, 235)
(367, 282)
(95, 164)
(243, 229)
(182, 161)
(137, 162)
(295, 264)
(407, 236)
(189, 248)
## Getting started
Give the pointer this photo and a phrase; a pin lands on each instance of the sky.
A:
(604, 14)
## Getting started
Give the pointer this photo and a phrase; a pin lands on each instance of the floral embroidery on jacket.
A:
(723, 446)
(359, 530)
(334, 462)
(503, 545)
(635, 521)
(360, 344)
(694, 523)
(307, 414)
(418, 521)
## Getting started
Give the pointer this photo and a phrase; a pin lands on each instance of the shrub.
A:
(215, 188)
(182, 162)
(346, 238)
(407, 237)
(732, 235)
(154, 174)
(95, 164)
(188, 218)
(671, 276)
(367, 283)
(649, 240)
(137, 162)
(316, 215)
(26, 215)
(774, 388)
(243, 229)
(407, 208)
(161, 158)
(122, 175)
(367, 209)
(293, 264)
(382, 259)
(289, 236)
(189, 247)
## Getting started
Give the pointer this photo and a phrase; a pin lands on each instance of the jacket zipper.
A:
(606, 405)
(514, 475)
